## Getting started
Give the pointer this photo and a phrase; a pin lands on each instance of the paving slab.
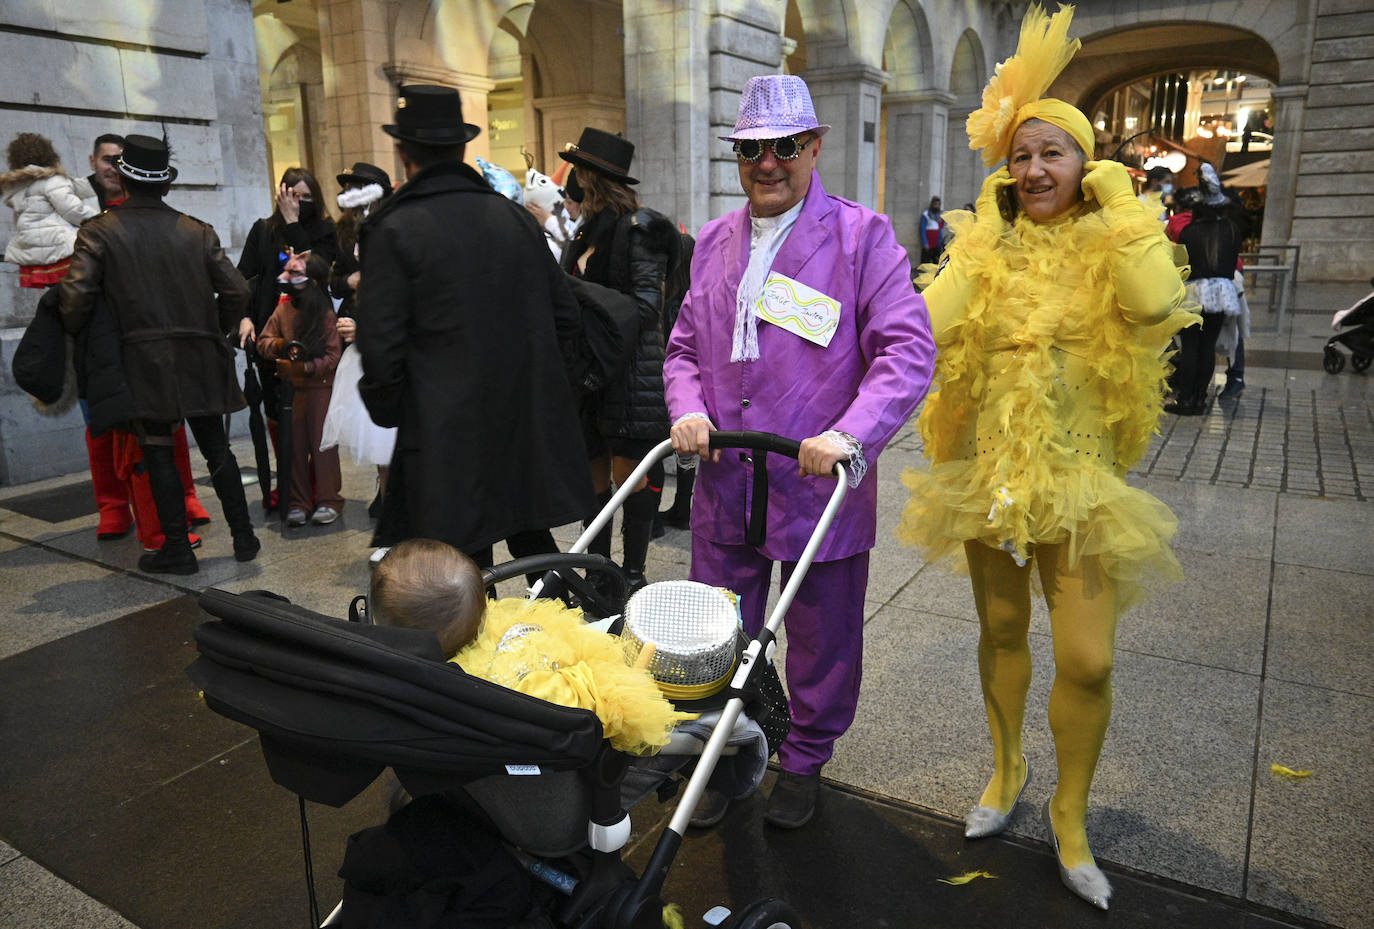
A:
(1322, 629)
(50, 595)
(1313, 852)
(32, 897)
(1333, 534)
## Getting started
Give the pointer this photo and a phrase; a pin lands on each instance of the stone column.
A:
(1290, 101)
(354, 37)
(964, 169)
(667, 60)
(916, 128)
(848, 97)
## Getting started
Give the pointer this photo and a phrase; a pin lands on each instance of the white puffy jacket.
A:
(48, 206)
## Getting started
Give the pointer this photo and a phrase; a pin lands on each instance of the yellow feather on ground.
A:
(1279, 770)
(966, 877)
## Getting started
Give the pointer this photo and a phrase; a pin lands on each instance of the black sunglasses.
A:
(787, 148)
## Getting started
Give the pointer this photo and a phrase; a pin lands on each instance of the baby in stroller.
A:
(1358, 322)
(538, 647)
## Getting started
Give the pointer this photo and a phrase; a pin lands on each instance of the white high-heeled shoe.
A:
(1087, 880)
(983, 821)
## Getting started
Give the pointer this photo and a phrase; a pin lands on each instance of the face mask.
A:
(574, 189)
(308, 211)
(291, 285)
(1166, 189)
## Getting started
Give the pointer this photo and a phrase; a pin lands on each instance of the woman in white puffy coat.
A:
(48, 206)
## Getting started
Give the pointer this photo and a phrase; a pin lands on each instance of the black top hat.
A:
(604, 152)
(145, 159)
(364, 173)
(430, 115)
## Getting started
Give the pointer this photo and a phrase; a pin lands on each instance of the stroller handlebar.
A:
(756, 441)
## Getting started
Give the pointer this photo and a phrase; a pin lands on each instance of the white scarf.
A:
(766, 237)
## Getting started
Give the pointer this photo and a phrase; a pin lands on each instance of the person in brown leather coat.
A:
(174, 296)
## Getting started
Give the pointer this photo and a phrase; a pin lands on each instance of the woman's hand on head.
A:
(288, 204)
(1109, 184)
(989, 198)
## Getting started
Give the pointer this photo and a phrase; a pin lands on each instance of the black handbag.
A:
(40, 359)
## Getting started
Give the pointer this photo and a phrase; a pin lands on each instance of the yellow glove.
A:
(1108, 183)
(990, 198)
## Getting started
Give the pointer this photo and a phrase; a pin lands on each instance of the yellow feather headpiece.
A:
(1043, 51)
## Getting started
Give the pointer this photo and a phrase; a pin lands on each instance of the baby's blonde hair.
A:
(427, 584)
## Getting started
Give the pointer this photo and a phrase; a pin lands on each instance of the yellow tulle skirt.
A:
(544, 649)
(1092, 510)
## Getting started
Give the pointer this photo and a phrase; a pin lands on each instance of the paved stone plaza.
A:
(130, 804)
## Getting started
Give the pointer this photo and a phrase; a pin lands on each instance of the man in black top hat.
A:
(173, 297)
(467, 332)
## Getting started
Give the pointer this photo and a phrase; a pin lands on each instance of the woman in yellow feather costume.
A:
(1051, 314)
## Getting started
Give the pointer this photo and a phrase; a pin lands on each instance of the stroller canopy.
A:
(337, 702)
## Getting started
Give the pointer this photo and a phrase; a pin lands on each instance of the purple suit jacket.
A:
(866, 382)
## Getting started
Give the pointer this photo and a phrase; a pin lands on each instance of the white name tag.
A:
(799, 309)
(523, 769)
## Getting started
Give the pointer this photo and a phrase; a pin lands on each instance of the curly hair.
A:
(30, 148)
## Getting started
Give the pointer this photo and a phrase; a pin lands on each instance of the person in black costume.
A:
(628, 248)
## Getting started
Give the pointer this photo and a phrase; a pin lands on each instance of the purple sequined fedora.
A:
(773, 106)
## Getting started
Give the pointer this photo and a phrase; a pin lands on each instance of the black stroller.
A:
(336, 703)
(1357, 336)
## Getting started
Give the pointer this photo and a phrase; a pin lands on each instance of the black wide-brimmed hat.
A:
(145, 159)
(430, 115)
(363, 173)
(604, 152)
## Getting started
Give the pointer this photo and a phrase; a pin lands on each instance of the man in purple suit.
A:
(801, 320)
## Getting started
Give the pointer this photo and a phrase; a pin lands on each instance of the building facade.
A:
(249, 87)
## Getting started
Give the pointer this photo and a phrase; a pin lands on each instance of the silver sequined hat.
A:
(773, 106)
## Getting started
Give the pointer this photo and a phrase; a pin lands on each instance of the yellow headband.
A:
(1057, 113)
(1015, 88)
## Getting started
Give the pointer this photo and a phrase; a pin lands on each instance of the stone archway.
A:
(1274, 42)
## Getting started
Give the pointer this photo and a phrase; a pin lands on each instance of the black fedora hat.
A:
(145, 159)
(430, 115)
(364, 173)
(604, 152)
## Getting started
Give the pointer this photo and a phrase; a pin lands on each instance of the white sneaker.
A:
(324, 515)
(295, 516)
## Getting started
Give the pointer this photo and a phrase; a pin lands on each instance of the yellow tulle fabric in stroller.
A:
(544, 649)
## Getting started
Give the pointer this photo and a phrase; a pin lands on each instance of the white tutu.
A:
(1215, 295)
(347, 423)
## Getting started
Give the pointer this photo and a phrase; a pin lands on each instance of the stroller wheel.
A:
(1360, 363)
(1332, 360)
(766, 914)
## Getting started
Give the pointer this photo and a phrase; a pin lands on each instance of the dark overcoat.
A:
(468, 334)
(173, 296)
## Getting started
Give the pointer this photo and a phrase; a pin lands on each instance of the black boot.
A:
(679, 515)
(601, 542)
(229, 488)
(175, 556)
(638, 528)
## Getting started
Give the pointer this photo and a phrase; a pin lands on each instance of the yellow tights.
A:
(1082, 602)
